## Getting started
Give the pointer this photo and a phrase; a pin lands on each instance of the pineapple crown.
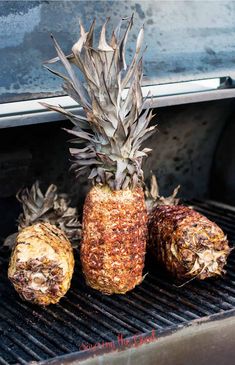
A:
(153, 197)
(50, 207)
(116, 121)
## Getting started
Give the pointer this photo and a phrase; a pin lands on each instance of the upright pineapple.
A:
(42, 262)
(187, 243)
(115, 217)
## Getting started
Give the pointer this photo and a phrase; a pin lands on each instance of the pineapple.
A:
(188, 244)
(42, 263)
(113, 129)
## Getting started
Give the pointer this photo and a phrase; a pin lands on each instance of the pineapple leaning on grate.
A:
(113, 130)
(187, 243)
(42, 262)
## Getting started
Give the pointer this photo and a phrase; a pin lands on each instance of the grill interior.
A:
(30, 333)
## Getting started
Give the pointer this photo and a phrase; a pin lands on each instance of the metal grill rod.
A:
(41, 332)
(112, 314)
(13, 354)
(25, 334)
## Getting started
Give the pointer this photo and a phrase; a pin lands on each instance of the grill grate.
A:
(30, 333)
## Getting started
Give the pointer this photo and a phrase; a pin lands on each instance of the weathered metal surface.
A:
(28, 112)
(184, 146)
(223, 172)
(182, 150)
(186, 39)
(14, 167)
(205, 342)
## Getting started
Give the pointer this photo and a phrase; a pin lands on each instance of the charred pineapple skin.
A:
(187, 243)
(41, 264)
(114, 239)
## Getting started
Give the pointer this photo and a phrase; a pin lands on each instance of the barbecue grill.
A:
(160, 321)
(87, 323)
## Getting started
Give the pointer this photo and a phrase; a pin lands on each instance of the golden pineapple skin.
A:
(41, 264)
(114, 239)
(187, 243)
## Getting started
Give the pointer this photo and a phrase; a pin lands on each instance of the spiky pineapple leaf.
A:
(118, 125)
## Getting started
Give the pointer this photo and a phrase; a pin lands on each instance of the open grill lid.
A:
(186, 40)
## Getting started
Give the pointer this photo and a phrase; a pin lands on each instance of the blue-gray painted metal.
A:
(186, 39)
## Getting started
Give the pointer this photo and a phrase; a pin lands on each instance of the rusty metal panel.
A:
(186, 39)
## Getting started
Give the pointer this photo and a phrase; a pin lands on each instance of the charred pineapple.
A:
(187, 243)
(41, 264)
(113, 130)
(115, 231)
